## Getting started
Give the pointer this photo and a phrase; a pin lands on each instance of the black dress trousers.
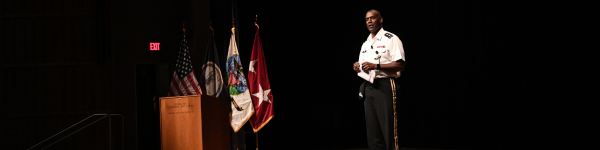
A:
(379, 114)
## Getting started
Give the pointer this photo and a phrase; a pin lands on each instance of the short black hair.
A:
(378, 13)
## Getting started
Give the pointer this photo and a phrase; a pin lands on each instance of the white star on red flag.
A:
(262, 95)
(252, 66)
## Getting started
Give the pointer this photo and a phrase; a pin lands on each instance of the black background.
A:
(478, 74)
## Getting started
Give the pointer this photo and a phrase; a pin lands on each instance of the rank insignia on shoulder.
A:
(388, 35)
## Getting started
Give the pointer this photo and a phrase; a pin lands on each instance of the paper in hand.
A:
(367, 76)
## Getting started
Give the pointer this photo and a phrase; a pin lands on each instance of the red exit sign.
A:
(154, 46)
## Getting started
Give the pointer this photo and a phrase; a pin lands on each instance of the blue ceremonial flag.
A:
(211, 78)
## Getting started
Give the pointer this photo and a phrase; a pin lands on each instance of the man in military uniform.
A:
(381, 55)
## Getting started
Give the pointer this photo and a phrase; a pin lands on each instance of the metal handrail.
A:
(104, 115)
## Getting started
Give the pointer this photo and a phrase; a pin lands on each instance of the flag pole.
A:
(256, 20)
(215, 64)
(237, 138)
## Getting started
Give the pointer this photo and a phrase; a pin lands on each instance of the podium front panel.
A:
(181, 123)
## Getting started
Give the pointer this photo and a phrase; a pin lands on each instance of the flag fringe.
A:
(236, 130)
(261, 126)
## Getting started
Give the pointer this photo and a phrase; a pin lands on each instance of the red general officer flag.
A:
(258, 80)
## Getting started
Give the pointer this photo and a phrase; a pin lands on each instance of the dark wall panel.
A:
(49, 76)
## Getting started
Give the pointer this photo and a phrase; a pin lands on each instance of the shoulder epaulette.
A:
(389, 35)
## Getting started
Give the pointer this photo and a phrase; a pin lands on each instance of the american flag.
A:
(184, 79)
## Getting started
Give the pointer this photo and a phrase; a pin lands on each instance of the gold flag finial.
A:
(233, 24)
(256, 21)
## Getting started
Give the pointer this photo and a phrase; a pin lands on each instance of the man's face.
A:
(373, 21)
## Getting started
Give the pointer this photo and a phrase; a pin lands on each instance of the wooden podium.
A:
(194, 123)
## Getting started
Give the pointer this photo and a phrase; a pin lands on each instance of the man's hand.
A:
(356, 67)
(367, 66)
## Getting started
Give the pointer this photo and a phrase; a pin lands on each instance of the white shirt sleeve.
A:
(396, 49)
